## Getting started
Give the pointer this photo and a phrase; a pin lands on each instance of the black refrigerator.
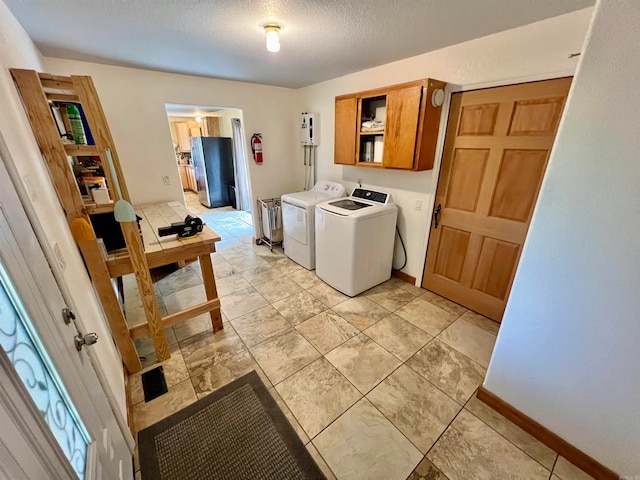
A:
(212, 159)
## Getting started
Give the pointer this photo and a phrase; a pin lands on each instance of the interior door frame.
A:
(449, 90)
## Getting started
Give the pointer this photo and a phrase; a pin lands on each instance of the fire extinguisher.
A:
(256, 147)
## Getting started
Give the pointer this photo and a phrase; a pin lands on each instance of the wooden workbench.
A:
(166, 250)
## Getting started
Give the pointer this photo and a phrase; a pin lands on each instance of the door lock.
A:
(68, 316)
(82, 340)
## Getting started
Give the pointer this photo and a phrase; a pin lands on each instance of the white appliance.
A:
(309, 129)
(355, 239)
(298, 221)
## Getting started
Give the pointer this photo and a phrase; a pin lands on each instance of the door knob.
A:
(82, 340)
(436, 212)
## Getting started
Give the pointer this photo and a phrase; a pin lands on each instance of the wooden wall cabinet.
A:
(406, 141)
(184, 131)
(211, 126)
(184, 139)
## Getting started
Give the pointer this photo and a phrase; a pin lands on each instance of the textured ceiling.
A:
(321, 39)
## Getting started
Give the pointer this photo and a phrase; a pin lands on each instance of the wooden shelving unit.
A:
(38, 90)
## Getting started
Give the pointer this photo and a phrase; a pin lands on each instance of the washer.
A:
(299, 221)
(355, 239)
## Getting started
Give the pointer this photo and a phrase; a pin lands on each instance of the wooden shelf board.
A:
(62, 97)
(371, 132)
(81, 150)
(93, 209)
(369, 164)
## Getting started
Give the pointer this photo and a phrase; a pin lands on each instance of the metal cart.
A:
(270, 213)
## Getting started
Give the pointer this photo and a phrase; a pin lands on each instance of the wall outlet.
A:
(418, 205)
(166, 180)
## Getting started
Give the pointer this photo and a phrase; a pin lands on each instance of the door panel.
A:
(478, 119)
(465, 181)
(495, 266)
(452, 252)
(536, 117)
(496, 149)
(518, 182)
(35, 369)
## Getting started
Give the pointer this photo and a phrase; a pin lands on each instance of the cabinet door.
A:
(403, 110)
(212, 126)
(184, 140)
(346, 122)
(192, 178)
(183, 177)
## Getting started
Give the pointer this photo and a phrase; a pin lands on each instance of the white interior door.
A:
(55, 418)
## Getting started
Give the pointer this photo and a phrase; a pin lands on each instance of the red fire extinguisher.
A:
(256, 147)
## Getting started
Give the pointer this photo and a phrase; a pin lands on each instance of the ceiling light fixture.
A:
(273, 37)
(198, 119)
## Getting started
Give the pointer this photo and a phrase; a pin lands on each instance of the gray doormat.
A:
(236, 432)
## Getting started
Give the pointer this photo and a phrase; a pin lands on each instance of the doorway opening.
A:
(211, 158)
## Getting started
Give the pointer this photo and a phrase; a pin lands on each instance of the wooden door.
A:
(401, 127)
(496, 150)
(346, 121)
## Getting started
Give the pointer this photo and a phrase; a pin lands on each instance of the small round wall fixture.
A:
(437, 97)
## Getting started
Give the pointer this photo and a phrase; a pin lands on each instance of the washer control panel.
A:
(371, 195)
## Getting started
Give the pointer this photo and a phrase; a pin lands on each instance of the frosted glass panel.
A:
(38, 377)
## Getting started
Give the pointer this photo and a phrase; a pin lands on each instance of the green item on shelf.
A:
(77, 130)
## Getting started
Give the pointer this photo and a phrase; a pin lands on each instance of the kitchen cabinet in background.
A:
(183, 177)
(184, 139)
(191, 179)
(188, 178)
(211, 126)
(407, 139)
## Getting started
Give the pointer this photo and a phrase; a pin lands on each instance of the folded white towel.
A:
(373, 124)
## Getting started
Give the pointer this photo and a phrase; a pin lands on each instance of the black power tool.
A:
(189, 228)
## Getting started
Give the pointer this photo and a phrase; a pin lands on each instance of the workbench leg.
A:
(210, 288)
(145, 289)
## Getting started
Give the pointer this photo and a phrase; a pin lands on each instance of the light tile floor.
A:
(377, 386)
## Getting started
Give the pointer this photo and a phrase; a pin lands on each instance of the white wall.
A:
(29, 173)
(134, 104)
(568, 351)
(538, 50)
